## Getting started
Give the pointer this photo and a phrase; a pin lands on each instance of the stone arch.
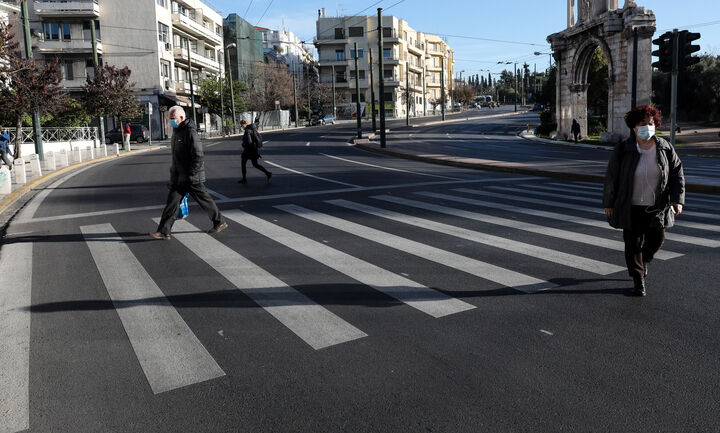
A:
(583, 55)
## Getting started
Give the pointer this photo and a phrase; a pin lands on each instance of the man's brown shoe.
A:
(218, 228)
(159, 235)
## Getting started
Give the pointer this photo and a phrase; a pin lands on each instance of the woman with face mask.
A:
(644, 191)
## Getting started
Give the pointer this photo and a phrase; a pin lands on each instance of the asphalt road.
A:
(354, 293)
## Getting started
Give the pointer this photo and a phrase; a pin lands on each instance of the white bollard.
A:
(5, 181)
(49, 163)
(89, 154)
(35, 170)
(19, 171)
(117, 149)
(76, 155)
(62, 159)
(102, 151)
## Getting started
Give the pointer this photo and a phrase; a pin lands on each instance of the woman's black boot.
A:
(639, 286)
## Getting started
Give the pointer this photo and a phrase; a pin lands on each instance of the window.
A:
(65, 31)
(68, 67)
(340, 76)
(388, 32)
(165, 69)
(339, 55)
(354, 97)
(163, 32)
(361, 74)
(356, 31)
(360, 54)
(404, 35)
(180, 41)
(388, 96)
(194, 46)
(387, 53)
(339, 33)
(162, 3)
(388, 74)
(52, 32)
(218, 29)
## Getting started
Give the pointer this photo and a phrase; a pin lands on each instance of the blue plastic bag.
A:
(183, 211)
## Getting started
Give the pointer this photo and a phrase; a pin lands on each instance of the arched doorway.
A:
(592, 88)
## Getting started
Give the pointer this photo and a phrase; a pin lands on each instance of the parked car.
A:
(327, 119)
(537, 107)
(138, 133)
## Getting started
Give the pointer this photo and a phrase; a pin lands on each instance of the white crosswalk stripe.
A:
(541, 253)
(170, 355)
(690, 197)
(567, 235)
(662, 254)
(680, 223)
(549, 203)
(427, 300)
(594, 199)
(313, 323)
(478, 268)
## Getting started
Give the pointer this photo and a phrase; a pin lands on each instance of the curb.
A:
(561, 143)
(19, 193)
(690, 187)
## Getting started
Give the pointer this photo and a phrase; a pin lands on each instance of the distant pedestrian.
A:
(575, 129)
(187, 176)
(644, 191)
(251, 142)
(126, 133)
(4, 148)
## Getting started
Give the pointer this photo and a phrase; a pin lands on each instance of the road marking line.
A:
(389, 168)
(554, 256)
(429, 301)
(680, 223)
(694, 196)
(15, 298)
(661, 255)
(307, 144)
(312, 176)
(170, 355)
(506, 277)
(287, 195)
(519, 225)
(313, 323)
(546, 332)
(217, 194)
(597, 223)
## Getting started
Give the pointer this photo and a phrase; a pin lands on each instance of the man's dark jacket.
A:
(187, 155)
(619, 179)
(250, 141)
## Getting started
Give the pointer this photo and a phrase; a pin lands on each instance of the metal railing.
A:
(55, 134)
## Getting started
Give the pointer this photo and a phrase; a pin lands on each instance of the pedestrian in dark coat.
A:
(644, 191)
(250, 142)
(575, 129)
(187, 176)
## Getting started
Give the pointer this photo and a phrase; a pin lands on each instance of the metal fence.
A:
(55, 134)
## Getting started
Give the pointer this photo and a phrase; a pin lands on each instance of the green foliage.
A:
(110, 94)
(547, 123)
(597, 124)
(209, 96)
(698, 91)
(597, 96)
(72, 114)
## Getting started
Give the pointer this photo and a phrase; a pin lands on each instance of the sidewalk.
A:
(553, 169)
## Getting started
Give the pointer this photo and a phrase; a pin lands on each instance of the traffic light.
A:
(686, 48)
(664, 52)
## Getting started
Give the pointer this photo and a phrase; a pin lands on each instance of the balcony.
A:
(79, 46)
(416, 49)
(189, 25)
(78, 8)
(331, 61)
(415, 68)
(390, 35)
(330, 41)
(76, 83)
(391, 61)
(197, 59)
(392, 81)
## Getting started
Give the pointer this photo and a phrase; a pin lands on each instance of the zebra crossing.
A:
(171, 356)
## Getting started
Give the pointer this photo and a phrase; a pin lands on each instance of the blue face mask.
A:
(645, 132)
(174, 123)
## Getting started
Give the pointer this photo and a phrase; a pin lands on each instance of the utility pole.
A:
(633, 102)
(333, 92)
(381, 54)
(222, 106)
(96, 65)
(232, 93)
(442, 87)
(357, 93)
(307, 83)
(673, 86)
(37, 132)
(424, 92)
(516, 89)
(295, 94)
(192, 91)
(372, 89)
(522, 85)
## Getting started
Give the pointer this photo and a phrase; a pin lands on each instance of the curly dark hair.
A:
(638, 114)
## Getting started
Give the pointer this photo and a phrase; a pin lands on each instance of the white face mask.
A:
(646, 131)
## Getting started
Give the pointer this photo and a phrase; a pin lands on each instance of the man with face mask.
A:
(187, 176)
(644, 191)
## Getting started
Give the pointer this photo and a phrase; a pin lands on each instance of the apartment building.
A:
(245, 50)
(288, 48)
(408, 56)
(163, 42)
(8, 13)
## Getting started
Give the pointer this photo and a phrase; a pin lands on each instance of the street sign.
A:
(150, 109)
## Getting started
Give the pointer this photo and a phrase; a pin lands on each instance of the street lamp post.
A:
(232, 93)
(222, 99)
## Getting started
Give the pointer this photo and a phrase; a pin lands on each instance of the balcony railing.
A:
(72, 46)
(197, 59)
(75, 8)
(189, 24)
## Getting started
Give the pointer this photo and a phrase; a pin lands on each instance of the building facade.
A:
(247, 52)
(412, 64)
(287, 48)
(163, 42)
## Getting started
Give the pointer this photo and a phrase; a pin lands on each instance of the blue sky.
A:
(525, 21)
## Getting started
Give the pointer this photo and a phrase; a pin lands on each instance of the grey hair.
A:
(179, 109)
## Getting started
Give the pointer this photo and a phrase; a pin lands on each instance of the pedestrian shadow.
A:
(125, 237)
